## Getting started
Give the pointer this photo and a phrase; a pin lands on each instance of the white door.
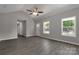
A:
(37, 29)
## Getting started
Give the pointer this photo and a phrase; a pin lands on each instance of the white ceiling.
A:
(4, 8)
(47, 8)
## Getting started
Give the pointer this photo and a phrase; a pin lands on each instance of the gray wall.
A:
(8, 26)
(55, 26)
(29, 23)
(30, 27)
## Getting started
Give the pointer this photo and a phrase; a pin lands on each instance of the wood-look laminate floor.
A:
(36, 46)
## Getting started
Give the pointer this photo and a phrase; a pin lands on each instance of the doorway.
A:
(21, 28)
(38, 29)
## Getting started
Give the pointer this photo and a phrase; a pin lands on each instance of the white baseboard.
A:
(45, 37)
(61, 40)
(8, 38)
(29, 35)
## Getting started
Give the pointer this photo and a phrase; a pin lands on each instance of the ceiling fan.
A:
(35, 11)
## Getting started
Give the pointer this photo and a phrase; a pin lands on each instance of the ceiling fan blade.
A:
(30, 13)
(36, 9)
(40, 11)
(29, 10)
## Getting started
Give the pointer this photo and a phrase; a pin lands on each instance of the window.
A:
(46, 27)
(69, 26)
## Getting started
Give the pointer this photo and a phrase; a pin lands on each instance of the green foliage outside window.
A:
(68, 23)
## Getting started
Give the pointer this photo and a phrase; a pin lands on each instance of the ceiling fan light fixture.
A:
(35, 13)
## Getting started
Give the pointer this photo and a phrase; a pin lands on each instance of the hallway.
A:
(36, 46)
